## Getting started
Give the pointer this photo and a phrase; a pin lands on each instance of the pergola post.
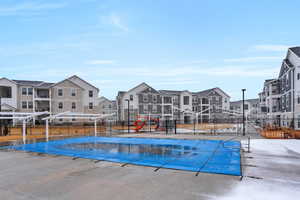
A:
(95, 126)
(47, 130)
(24, 131)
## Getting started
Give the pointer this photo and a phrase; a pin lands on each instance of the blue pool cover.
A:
(211, 156)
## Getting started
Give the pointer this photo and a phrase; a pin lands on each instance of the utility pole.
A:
(128, 115)
(243, 91)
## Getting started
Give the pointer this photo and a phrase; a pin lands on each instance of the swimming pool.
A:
(211, 156)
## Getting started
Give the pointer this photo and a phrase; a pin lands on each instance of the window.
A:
(225, 100)
(131, 97)
(73, 105)
(60, 105)
(298, 76)
(73, 92)
(29, 91)
(30, 104)
(73, 120)
(24, 104)
(145, 98)
(91, 93)
(109, 106)
(91, 105)
(246, 107)
(24, 91)
(167, 99)
(60, 92)
(186, 100)
(298, 100)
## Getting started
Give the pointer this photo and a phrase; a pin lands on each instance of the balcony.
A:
(42, 94)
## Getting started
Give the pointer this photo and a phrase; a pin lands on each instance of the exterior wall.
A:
(85, 95)
(67, 99)
(24, 98)
(13, 101)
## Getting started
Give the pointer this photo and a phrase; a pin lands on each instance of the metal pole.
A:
(1, 119)
(128, 114)
(47, 130)
(243, 91)
(175, 126)
(24, 131)
(95, 128)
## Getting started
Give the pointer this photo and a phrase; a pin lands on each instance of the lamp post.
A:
(128, 115)
(243, 91)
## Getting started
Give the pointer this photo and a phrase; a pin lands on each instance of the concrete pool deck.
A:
(268, 173)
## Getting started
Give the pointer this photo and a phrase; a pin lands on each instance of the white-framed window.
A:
(298, 76)
(60, 92)
(73, 105)
(24, 91)
(91, 93)
(60, 105)
(73, 92)
(131, 97)
(145, 97)
(298, 99)
(24, 104)
(30, 104)
(91, 105)
(29, 91)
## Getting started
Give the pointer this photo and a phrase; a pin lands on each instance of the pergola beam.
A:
(70, 115)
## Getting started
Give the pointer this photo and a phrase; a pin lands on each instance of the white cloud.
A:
(254, 59)
(100, 62)
(271, 47)
(116, 21)
(28, 7)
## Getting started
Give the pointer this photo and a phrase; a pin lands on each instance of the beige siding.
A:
(67, 98)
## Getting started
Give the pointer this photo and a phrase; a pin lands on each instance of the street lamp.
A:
(243, 91)
(128, 115)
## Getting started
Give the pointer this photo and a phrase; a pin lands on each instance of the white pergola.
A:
(71, 115)
(22, 116)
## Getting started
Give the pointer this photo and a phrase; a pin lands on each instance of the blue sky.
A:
(170, 44)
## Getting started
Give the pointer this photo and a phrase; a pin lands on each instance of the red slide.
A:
(139, 124)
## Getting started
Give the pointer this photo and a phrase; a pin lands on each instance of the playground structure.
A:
(141, 121)
(274, 132)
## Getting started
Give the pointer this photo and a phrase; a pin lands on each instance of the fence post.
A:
(248, 144)
(166, 123)
(194, 126)
(175, 126)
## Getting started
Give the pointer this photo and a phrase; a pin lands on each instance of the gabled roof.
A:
(142, 84)
(101, 99)
(8, 80)
(75, 76)
(69, 81)
(296, 50)
(38, 84)
(208, 91)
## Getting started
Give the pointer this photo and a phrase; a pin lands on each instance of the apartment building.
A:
(72, 94)
(251, 108)
(107, 106)
(280, 98)
(143, 100)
